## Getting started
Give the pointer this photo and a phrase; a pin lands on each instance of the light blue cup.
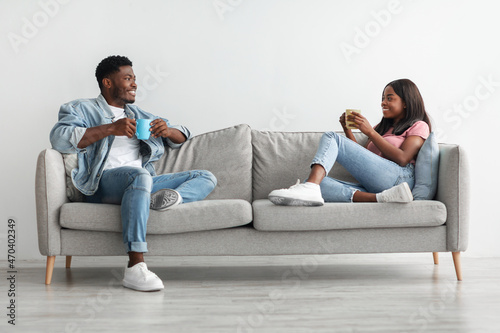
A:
(142, 129)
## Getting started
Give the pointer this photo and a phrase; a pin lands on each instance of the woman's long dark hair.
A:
(415, 109)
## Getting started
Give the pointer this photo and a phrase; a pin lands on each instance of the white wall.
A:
(275, 64)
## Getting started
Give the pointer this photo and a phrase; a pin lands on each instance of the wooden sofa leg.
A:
(458, 267)
(49, 269)
(68, 261)
(435, 255)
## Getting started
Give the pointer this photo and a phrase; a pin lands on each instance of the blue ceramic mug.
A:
(142, 129)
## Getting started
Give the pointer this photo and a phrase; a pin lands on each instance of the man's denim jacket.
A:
(76, 116)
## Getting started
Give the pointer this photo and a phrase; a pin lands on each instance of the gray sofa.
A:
(237, 219)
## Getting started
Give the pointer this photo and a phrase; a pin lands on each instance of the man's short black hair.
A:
(109, 66)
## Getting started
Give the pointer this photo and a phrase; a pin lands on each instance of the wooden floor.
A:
(341, 293)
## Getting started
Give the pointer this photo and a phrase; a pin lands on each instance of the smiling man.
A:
(117, 168)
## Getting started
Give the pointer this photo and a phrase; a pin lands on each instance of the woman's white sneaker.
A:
(400, 193)
(139, 277)
(307, 194)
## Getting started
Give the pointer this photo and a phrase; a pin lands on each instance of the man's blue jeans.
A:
(132, 187)
(374, 173)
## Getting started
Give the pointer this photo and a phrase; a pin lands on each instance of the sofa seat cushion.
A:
(330, 216)
(194, 216)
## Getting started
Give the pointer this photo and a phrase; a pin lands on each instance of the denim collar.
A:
(101, 101)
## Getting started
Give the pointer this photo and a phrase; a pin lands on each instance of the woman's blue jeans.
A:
(373, 173)
(132, 187)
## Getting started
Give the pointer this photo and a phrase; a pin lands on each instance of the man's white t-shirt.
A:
(124, 151)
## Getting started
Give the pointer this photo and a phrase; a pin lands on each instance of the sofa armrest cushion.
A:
(50, 195)
(454, 191)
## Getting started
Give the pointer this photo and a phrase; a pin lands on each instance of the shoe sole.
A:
(409, 195)
(157, 199)
(283, 201)
(138, 288)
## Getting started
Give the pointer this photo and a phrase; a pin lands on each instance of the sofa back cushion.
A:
(280, 158)
(227, 153)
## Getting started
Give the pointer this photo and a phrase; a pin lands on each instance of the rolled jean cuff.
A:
(315, 161)
(352, 195)
(136, 247)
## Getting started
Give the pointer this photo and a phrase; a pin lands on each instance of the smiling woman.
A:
(402, 103)
(384, 167)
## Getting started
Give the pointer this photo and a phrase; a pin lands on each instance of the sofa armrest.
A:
(454, 191)
(50, 195)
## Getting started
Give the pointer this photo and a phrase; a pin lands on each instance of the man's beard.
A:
(117, 95)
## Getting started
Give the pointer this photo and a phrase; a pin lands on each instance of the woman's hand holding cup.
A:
(350, 118)
(342, 121)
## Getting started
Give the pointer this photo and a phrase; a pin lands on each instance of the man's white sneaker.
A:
(139, 277)
(307, 194)
(165, 199)
(400, 193)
